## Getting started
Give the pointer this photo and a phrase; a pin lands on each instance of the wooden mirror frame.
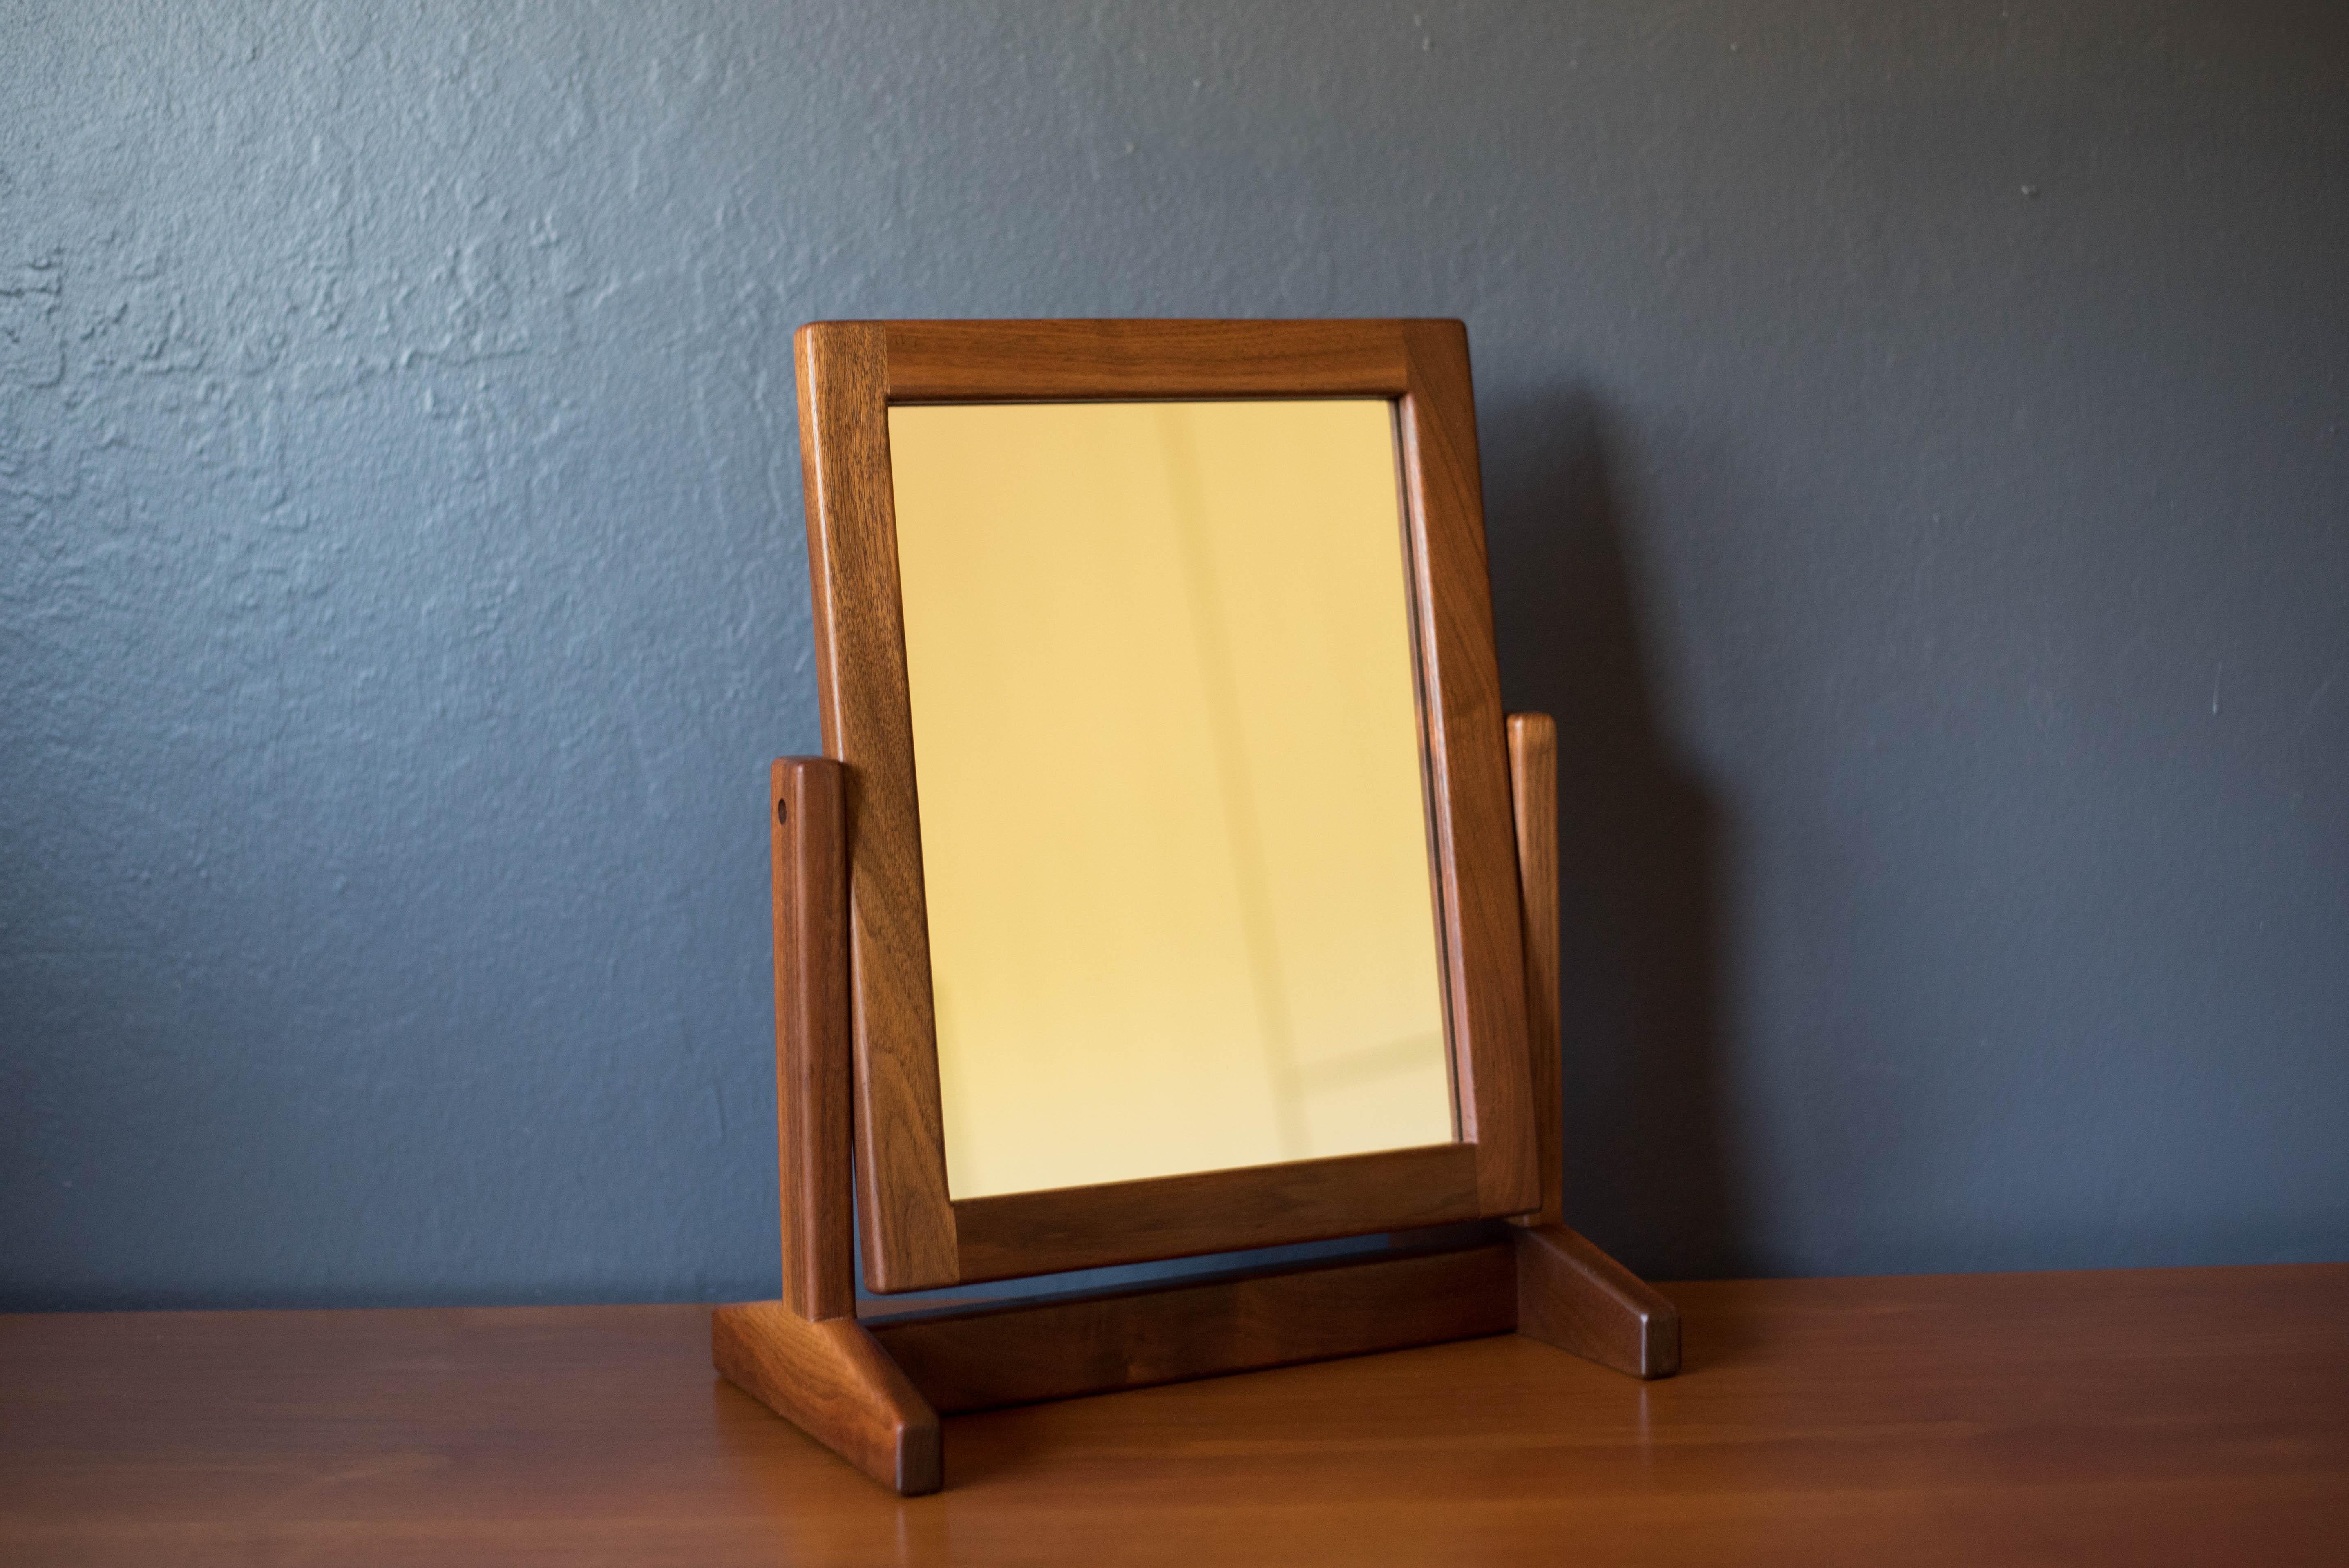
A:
(914, 1236)
(871, 1381)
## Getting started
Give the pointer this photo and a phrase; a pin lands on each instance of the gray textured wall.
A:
(1914, 451)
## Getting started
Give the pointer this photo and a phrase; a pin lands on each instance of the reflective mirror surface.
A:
(1173, 821)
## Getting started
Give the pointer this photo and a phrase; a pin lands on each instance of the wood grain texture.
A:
(900, 1139)
(811, 1037)
(1532, 798)
(1215, 1211)
(956, 361)
(1574, 1296)
(835, 1384)
(2160, 1418)
(849, 371)
(1476, 843)
(976, 1359)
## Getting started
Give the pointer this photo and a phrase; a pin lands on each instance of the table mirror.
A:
(1172, 812)
(1172, 883)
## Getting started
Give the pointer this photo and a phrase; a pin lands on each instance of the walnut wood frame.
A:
(872, 1388)
(915, 1235)
(855, 1058)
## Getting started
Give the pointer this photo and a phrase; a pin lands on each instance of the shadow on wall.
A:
(1643, 846)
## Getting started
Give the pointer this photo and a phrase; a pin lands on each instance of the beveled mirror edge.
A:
(1423, 713)
(914, 1236)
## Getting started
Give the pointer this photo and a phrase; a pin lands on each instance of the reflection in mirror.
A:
(1173, 819)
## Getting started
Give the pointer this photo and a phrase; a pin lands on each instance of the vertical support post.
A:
(812, 1048)
(805, 1357)
(1569, 1294)
(1533, 801)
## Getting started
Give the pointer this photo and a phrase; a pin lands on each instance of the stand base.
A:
(1572, 1295)
(832, 1381)
(872, 1390)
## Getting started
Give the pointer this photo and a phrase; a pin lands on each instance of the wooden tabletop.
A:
(2191, 1415)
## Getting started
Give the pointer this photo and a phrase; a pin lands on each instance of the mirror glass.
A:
(1173, 815)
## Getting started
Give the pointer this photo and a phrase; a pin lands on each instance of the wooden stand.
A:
(872, 1390)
